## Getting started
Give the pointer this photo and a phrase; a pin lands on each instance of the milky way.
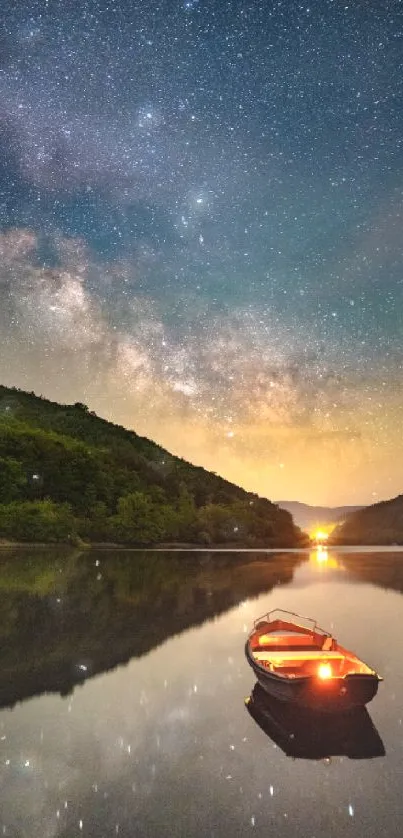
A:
(201, 230)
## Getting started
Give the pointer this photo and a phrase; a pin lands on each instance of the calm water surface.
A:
(123, 683)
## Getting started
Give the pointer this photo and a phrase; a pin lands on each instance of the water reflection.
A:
(383, 568)
(324, 559)
(163, 745)
(305, 734)
(66, 617)
(321, 554)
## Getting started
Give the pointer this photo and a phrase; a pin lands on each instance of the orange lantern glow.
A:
(325, 671)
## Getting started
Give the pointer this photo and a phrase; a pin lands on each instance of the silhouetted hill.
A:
(308, 517)
(65, 473)
(381, 523)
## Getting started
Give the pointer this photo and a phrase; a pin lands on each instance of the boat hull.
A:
(330, 696)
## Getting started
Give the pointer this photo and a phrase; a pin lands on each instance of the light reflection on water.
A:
(163, 744)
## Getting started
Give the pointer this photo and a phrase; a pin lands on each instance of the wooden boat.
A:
(302, 733)
(296, 661)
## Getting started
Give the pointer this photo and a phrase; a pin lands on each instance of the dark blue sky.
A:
(201, 213)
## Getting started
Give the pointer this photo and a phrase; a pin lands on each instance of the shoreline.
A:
(178, 546)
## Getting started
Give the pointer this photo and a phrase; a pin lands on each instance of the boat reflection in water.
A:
(306, 734)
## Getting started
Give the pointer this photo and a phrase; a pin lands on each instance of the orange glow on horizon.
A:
(322, 533)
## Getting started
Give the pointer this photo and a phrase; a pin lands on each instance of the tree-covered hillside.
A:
(66, 474)
(381, 523)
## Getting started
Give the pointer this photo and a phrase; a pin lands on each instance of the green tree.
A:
(12, 479)
(138, 519)
(186, 518)
(40, 520)
(218, 521)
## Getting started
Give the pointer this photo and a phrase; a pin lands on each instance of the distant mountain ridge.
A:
(308, 517)
(381, 523)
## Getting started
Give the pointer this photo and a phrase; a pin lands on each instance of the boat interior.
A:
(293, 652)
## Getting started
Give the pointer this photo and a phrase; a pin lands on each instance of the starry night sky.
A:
(201, 230)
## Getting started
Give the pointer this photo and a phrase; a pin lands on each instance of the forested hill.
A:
(381, 523)
(66, 474)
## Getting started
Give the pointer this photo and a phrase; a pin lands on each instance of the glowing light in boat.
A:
(324, 671)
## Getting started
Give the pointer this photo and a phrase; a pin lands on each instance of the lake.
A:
(122, 691)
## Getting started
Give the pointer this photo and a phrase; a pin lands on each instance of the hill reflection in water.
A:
(383, 567)
(66, 617)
